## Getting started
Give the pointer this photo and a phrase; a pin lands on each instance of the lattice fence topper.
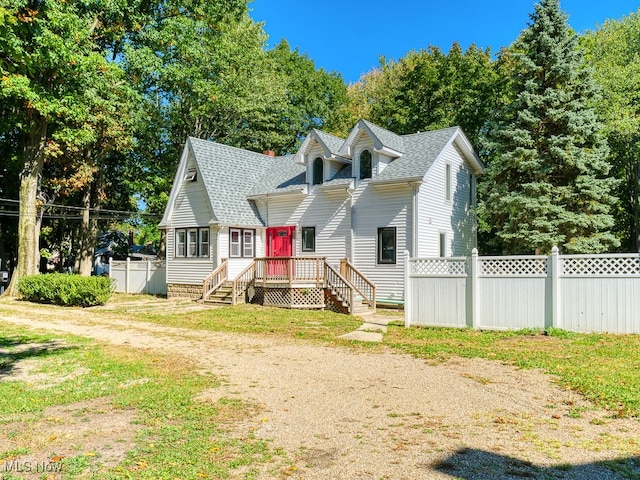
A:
(439, 266)
(512, 266)
(623, 265)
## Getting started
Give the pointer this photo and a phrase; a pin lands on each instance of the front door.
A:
(279, 244)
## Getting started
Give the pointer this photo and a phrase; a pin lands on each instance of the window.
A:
(204, 242)
(472, 191)
(181, 241)
(192, 242)
(443, 244)
(191, 176)
(241, 243)
(387, 245)
(447, 182)
(318, 171)
(247, 243)
(365, 164)
(308, 239)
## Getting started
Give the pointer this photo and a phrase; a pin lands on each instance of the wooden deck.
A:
(294, 282)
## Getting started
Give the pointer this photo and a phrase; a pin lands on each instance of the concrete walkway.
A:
(373, 328)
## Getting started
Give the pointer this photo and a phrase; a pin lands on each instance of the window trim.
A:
(242, 244)
(180, 245)
(379, 259)
(361, 174)
(442, 244)
(182, 249)
(313, 237)
(314, 171)
(448, 175)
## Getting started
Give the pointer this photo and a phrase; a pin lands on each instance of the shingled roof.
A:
(421, 150)
(228, 174)
(232, 176)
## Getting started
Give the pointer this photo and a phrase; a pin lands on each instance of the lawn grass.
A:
(604, 368)
(288, 323)
(177, 433)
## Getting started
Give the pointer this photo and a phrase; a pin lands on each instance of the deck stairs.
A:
(221, 295)
(346, 289)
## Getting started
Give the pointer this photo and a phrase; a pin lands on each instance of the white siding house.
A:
(368, 198)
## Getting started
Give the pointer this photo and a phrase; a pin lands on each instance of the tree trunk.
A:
(89, 226)
(28, 232)
(85, 254)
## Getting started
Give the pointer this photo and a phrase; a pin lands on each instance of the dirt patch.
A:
(94, 431)
(348, 415)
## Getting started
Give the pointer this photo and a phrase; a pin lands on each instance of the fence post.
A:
(127, 275)
(407, 291)
(473, 314)
(554, 271)
(146, 285)
(111, 269)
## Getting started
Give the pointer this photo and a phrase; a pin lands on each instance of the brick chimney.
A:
(271, 153)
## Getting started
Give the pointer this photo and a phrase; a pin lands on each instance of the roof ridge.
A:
(456, 127)
(243, 150)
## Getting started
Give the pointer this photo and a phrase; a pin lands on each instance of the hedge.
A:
(66, 289)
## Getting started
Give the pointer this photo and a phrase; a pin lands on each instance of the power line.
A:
(95, 210)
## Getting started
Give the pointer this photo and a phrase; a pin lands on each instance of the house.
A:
(366, 198)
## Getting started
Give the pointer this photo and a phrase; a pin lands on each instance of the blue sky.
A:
(348, 37)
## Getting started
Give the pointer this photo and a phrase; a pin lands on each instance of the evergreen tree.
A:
(547, 183)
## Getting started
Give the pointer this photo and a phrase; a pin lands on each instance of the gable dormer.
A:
(384, 141)
(319, 154)
(371, 148)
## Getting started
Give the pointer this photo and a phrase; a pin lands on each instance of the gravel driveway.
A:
(340, 414)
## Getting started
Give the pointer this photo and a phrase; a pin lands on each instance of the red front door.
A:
(279, 244)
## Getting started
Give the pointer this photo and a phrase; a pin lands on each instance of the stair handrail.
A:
(365, 287)
(344, 289)
(242, 282)
(215, 279)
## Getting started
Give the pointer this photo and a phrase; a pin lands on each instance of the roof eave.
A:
(297, 192)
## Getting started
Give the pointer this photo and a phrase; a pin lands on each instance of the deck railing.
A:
(242, 282)
(341, 286)
(362, 284)
(291, 269)
(302, 272)
(215, 279)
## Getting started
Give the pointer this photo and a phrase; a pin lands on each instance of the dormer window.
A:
(365, 164)
(318, 171)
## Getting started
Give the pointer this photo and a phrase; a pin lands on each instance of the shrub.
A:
(65, 289)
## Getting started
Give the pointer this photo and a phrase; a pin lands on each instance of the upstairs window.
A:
(365, 164)
(447, 182)
(318, 171)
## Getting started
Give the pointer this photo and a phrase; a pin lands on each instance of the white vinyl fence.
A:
(579, 293)
(139, 276)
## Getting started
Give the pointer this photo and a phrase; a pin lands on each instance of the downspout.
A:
(351, 222)
(414, 228)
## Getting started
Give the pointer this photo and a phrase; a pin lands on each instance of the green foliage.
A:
(428, 90)
(614, 52)
(66, 290)
(548, 179)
